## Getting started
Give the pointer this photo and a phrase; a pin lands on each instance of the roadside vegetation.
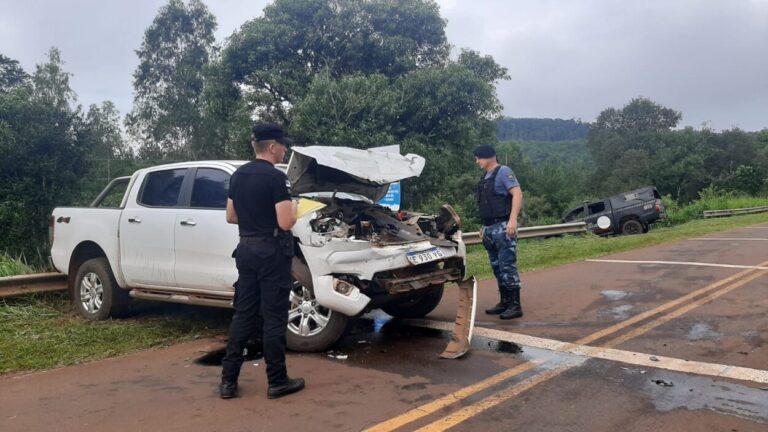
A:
(10, 266)
(42, 332)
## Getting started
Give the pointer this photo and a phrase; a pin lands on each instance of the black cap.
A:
(270, 131)
(484, 151)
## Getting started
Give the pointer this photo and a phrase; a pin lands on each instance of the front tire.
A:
(417, 306)
(311, 327)
(95, 293)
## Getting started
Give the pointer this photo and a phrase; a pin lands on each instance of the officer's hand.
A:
(512, 228)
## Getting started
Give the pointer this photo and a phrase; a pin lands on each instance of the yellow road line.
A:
(472, 410)
(649, 313)
(678, 312)
(465, 392)
(495, 399)
(452, 398)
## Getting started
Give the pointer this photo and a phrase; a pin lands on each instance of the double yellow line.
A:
(710, 292)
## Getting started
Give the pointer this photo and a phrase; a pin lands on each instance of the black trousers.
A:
(263, 288)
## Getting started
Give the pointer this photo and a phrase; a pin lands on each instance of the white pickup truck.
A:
(165, 238)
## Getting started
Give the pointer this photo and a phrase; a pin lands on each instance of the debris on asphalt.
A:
(663, 383)
(654, 358)
(338, 356)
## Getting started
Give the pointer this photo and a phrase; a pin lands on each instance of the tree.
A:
(168, 82)
(275, 58)
(364, 74)
(43, 162)
(623, 140)
(11, 74)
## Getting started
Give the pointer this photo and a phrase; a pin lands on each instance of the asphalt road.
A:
(669, 338)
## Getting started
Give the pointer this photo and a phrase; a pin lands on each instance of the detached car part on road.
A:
(168, 240)
(630, 212)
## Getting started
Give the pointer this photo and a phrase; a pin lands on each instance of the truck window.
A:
(210, 189)
(161, 188)
(596, 208)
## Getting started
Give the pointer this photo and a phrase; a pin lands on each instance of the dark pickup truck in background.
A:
(626, 213)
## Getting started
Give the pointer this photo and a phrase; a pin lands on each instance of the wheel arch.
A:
(83, 252)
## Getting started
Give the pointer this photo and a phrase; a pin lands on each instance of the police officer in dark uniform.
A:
(260, 204)
(499, 197)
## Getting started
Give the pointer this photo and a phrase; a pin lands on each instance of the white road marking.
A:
(612, 354)
(731, 239)
(679, 263)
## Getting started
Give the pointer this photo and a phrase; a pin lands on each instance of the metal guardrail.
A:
(533, 232)
(734, 212)
(32, 283)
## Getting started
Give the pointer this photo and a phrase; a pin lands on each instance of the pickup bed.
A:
(161, 234)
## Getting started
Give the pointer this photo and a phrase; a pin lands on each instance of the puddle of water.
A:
(698, 393)
(614, 295)
(702, 331)
(617, 313)
(214, 358)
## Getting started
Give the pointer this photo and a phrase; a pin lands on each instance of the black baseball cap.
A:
(271, 131)
(484, 151)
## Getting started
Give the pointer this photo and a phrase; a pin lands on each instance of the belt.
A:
(493, 221)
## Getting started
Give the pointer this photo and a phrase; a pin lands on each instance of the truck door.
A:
(204, 240)
(595, 211)
(146, 229)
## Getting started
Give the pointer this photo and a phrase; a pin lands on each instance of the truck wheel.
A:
(95, 293)
(311, 327)
(631, 227)
(417, 306)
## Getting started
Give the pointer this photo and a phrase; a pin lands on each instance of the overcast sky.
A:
(567, 58)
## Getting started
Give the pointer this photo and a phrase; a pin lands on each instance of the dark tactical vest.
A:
(494, 208)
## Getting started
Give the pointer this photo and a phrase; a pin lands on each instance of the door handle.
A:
(134, 220)
(188, 222)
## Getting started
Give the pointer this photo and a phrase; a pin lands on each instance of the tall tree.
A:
(274, 58)
(42, 160)
(169, 80)
(628, 136)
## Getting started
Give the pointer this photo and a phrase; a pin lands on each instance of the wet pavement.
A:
(385, 374)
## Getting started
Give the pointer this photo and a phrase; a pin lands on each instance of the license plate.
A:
(426, 256)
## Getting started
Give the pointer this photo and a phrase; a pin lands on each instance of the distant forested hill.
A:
(540, 129)
(574, 151)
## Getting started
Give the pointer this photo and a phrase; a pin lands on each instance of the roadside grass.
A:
(533, 254)
(10, 266)
(42, 332)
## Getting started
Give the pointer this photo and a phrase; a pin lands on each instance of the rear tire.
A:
(631, 227)
(417, 306)
(95, 293)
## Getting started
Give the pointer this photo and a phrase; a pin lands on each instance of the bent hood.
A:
(344, 169)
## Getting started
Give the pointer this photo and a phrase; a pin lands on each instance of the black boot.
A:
(514, 310)
(228, 389)
(502, 305)
(293, 385)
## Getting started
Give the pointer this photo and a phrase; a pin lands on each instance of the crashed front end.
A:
(373, 253)
(360, 255)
